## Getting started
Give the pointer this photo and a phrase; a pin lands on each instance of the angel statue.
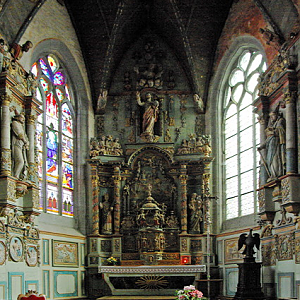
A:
(249, 241)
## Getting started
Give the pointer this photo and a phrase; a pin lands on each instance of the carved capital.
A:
(290, 97)
(5, 99)
(31, 119)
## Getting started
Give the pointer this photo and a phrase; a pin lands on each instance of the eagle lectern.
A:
(249, 286)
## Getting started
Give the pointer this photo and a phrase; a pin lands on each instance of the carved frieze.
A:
(195, 145)
(270, 81)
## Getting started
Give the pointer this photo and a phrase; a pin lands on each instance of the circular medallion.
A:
(31, 256)
(16, 248)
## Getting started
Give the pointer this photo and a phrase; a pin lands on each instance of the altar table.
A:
(150, 280)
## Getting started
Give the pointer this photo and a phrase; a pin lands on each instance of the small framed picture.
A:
(65, 254)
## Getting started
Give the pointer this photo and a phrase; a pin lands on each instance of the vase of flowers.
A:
(112, 261)
(188, 293)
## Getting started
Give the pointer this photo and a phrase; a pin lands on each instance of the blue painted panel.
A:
(4, 284)
(10, 276)
(46, 283)
(71, 273)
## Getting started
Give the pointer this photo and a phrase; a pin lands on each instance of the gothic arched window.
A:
(54, 137)
(241, 134)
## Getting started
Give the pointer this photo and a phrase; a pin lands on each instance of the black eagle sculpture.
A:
(249, 241)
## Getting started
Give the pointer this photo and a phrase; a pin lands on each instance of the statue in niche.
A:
(20, 144)
(196, 217)
(275, 145)
(150, 115)
(107, 218)
(17, 50)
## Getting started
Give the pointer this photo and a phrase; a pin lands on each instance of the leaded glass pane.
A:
(231, 146)
(255, 63)
(67, 149)
(247, 204)
(236, 76)
(60, 94)
(232, 187)
(246, 140)
(67, 208)
(51, 106)
(244, 60)
(34, 70)
(44, 85)
(231, 126)
(232, 110)
(52, 63)
(44, 68)
(67, 170)
(246, 160)
(68, 92)
(237, 92)
(67, 122)
(231, 167)
(252, 82)
(246, 100)
(246, 117)
(59, 78)
(52, 145)
(247, 182)
(52, 170)
(52, 199)
(232, 208)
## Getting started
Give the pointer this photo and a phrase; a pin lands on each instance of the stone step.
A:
(137, 298)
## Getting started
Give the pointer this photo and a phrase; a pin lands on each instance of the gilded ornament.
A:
(152, 282)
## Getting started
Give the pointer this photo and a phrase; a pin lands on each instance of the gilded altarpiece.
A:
(149, 167)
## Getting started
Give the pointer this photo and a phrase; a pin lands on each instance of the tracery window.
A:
(241, 134)
(54, 137)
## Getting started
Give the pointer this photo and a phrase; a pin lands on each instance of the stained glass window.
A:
(241, 134)
(54, 137)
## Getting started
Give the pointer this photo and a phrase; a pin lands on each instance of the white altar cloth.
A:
(180, 269)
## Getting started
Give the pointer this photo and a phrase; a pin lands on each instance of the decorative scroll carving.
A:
(269, 82)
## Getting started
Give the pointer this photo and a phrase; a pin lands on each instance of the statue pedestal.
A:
(249, 286)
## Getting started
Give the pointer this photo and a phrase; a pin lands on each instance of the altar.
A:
(149, 280)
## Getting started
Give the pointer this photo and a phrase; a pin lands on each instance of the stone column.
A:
(207, 198)
(117, 199)
(5, 136)
(32, 172)
(95, 200)
(291, 133)
(183, 189)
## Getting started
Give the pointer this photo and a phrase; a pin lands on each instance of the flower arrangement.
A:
(189, 293)
(112, 260)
